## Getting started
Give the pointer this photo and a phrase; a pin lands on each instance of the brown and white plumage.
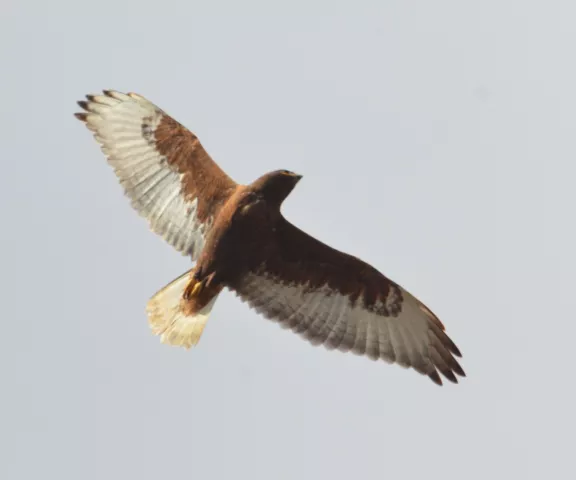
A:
(168, 176)
(241, 241)
(339, 301)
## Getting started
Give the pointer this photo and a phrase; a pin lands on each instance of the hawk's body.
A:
(240, 241)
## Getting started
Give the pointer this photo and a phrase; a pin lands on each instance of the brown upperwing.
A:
(339, 301)
(170, 178)
(202, 177)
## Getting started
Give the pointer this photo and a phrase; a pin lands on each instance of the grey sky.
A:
(436, 140)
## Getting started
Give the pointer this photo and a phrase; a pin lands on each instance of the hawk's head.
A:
(275, 186)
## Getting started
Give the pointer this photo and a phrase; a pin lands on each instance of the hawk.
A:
(239, 240)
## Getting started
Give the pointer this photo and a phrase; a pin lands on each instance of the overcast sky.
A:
(437, 142)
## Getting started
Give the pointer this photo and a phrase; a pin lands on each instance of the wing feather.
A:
(164, 170)
(336, 300)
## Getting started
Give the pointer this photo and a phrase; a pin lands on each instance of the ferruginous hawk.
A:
(240, 240)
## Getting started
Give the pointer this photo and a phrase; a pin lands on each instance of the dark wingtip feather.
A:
(81, 116)
(449, 344)
(435, 378)
(90, 97)
(458, 369)
(449, 375)
(454, 349)
(445, 339)
(83, 104)
(107, 92)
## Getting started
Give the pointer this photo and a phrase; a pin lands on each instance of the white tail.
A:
(167, 319)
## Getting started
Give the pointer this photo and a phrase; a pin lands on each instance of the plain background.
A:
(436, 140)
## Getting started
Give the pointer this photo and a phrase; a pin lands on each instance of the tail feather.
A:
(168, 319)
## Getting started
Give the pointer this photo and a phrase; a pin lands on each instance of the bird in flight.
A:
(239, 240)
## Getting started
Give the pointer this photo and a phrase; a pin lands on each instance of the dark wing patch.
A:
(169, 177)
(336, 300)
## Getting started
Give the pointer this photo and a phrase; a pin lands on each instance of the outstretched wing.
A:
(168, 176)
(336, 300)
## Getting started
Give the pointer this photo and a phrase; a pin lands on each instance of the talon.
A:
(193, 289)
(197, 288)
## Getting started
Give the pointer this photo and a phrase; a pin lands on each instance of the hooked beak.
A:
(296, 176)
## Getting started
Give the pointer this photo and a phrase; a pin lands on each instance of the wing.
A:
(168, 176)
(336, 300)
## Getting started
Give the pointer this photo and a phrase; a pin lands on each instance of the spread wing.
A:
(341, 302)
(168, 176)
